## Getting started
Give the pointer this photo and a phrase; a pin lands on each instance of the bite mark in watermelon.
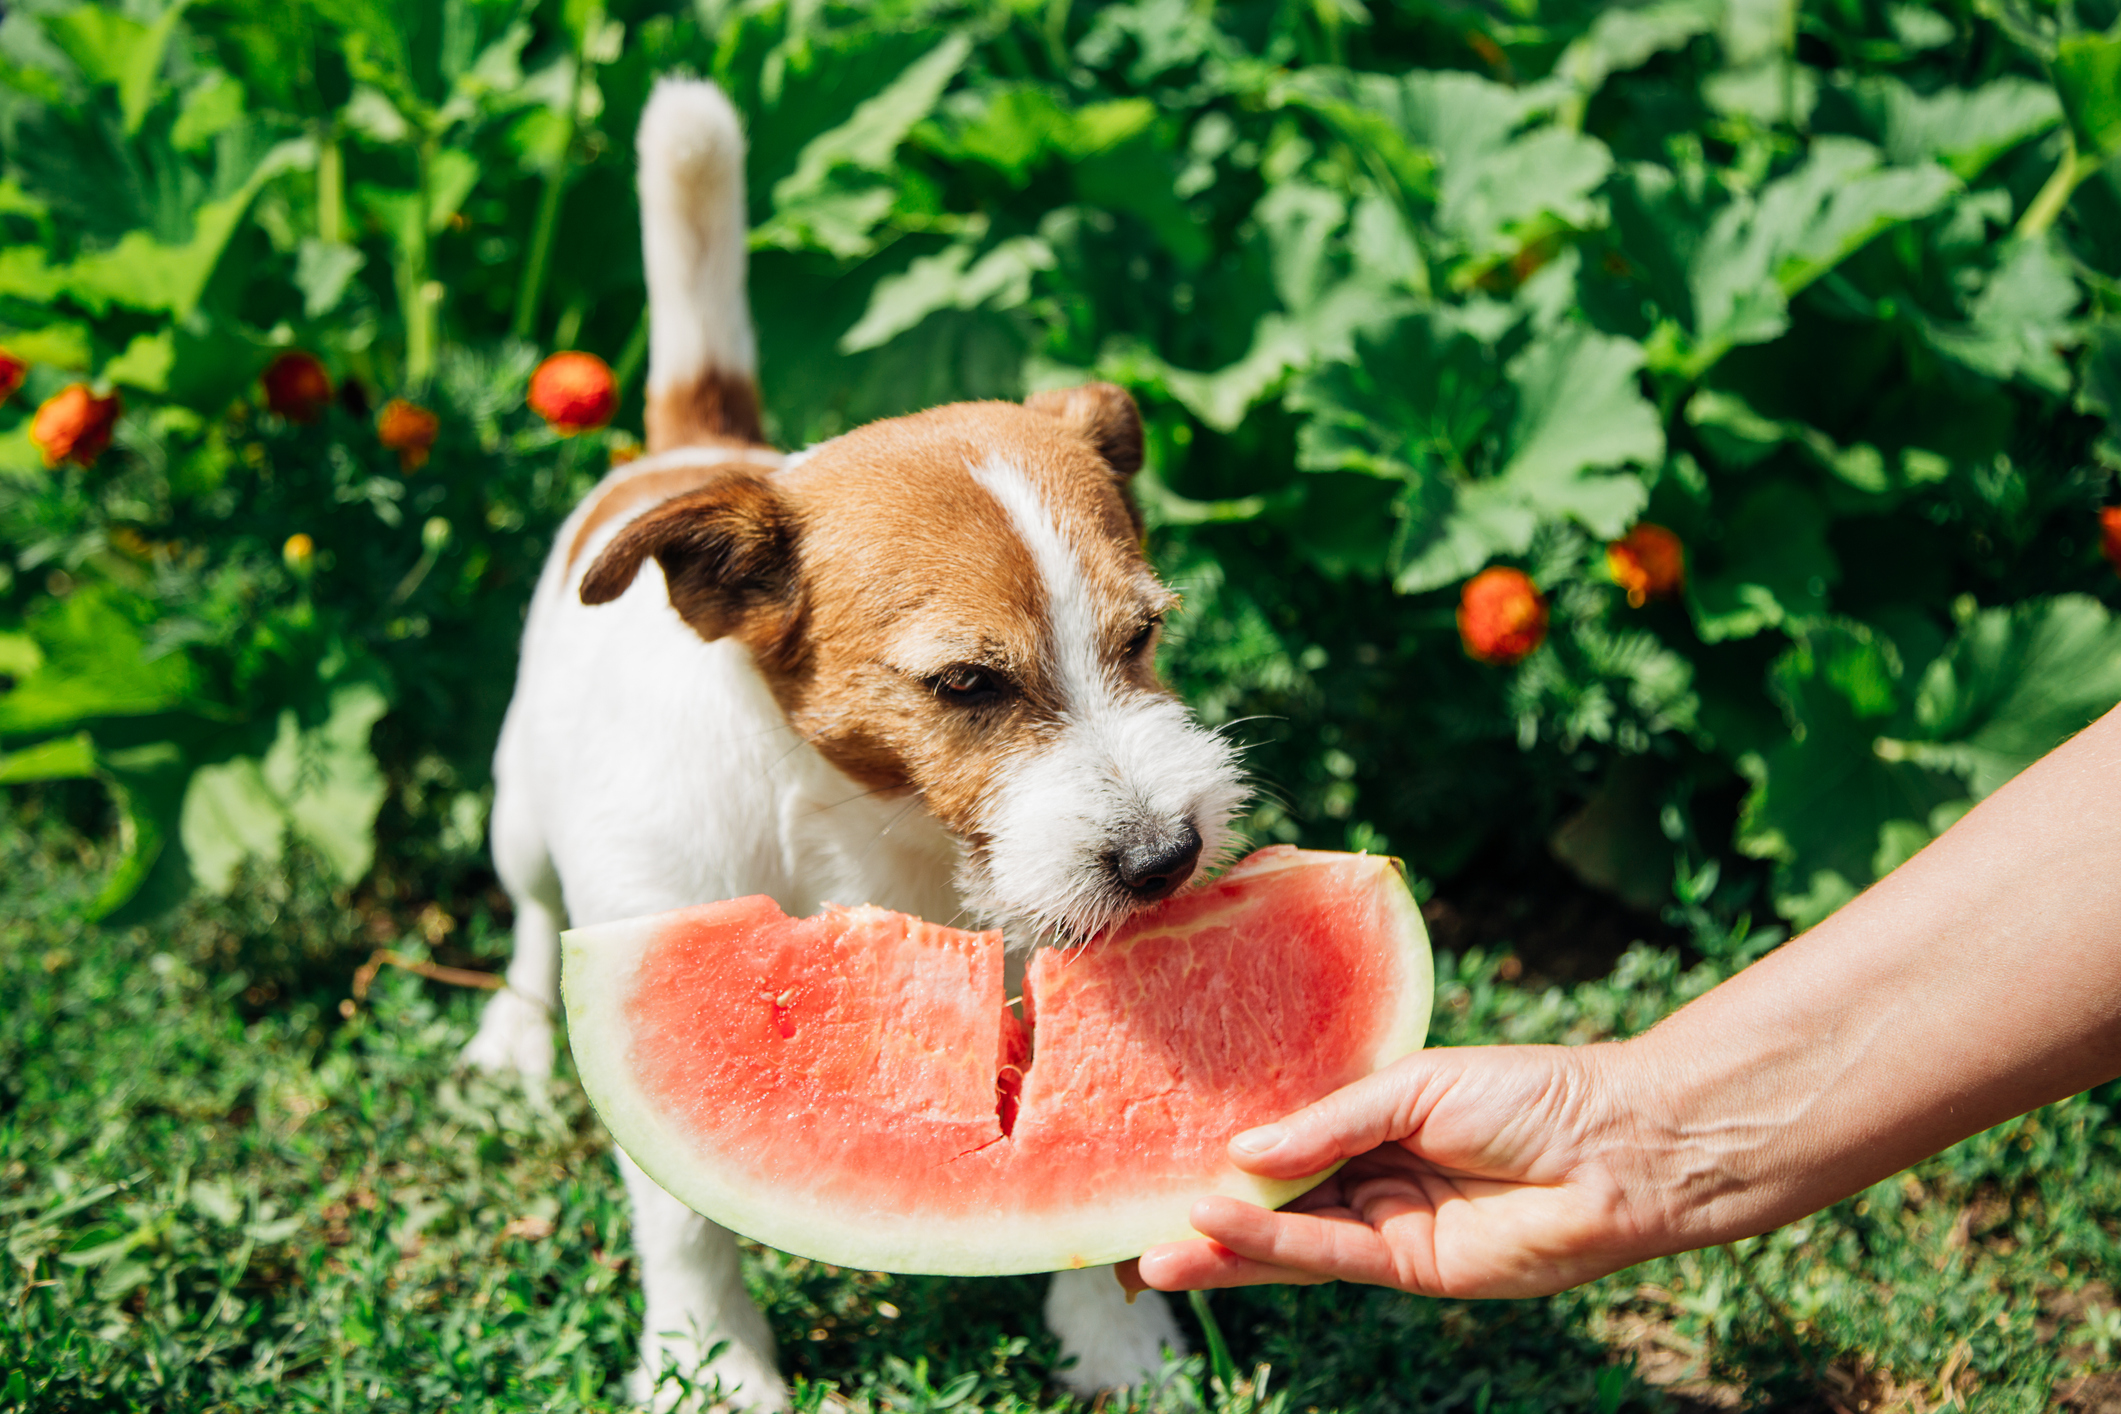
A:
(853, 1087)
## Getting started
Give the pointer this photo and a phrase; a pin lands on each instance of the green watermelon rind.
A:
(598, 964)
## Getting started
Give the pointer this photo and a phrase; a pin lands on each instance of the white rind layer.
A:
(598, 966)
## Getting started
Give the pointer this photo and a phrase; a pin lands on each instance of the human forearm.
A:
(1981, 979)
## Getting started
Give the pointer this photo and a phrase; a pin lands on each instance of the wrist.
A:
(1700, 1146)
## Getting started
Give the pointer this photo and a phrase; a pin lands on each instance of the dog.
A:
(910, 666)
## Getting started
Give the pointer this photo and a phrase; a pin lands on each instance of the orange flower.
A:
(299, 554)
(74, 425)
(297, 387)
(574, 392)
(1648, 562)
(1501, 616)
(12, 372)
(409, 430)
(2110, 535)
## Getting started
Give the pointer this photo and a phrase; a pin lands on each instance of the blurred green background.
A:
(1831, 291)
(1404, 291)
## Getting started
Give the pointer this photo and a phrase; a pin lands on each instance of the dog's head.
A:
(955, 604)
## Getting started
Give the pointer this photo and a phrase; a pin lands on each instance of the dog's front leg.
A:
(692, 1280)
(1114, 1345)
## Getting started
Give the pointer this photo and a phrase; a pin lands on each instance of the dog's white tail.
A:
(702, 354)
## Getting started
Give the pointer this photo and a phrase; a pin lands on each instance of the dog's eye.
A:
(969, 686)
(1143, 637)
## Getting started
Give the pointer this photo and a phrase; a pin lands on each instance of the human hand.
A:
(1478, 1172)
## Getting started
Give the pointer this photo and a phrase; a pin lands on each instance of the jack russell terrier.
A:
(911, 666)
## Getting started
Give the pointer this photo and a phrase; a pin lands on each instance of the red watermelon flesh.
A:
(853, 1086)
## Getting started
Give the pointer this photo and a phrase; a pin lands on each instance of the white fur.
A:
(1121, 758)
(694, 235)
(641, 769)
(1115, 1343)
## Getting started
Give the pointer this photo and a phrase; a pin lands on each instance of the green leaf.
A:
(870, 137)
(2102, 373)
(1966, 129)
(1281, 343)
(211, 106)
(1487, 519)
(1137, 176)
(1771, 569)
(323, 270)
(230, 816)
(1492, 181)
(112, 49)
(2087, 70)
(61, 345)
(2019, 324)
(1871, 773)
(1014, 128)
(66, 758)
(319, 783)
(25, 274)
(147, 782)
(146, 362)
(1579, 410)
(1758, 251)
(1624, 37)
(142, 273)
(1824, 803)
(950, 279)
(450, 179)
(2014, 685)
(95, 664)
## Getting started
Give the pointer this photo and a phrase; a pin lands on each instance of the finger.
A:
(1337, 1245)
(1199, 1265)
(1377, 1109)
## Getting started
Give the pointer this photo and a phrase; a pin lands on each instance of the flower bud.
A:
(409, 430)
(434, 535)
(1648, 562)
(12, 371)
(74, 425)
(297, 387)
(299, 554)
(1501, 616)
(2110, 535)
(574, 392)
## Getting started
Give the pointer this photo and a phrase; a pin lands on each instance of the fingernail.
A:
(1258, 1141)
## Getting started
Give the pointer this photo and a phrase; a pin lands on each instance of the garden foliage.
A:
(1406, 290)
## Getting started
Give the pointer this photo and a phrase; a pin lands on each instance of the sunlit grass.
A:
(219, 1193)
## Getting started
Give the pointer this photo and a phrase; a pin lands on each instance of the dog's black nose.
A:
(1157, 865)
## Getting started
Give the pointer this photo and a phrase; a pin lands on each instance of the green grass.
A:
(219, 1193)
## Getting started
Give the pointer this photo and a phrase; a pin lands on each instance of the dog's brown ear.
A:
(1105, 414)
(727, 551)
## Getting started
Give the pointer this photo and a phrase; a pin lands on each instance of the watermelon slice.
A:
(853, 1087)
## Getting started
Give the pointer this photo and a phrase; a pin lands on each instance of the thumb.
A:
(1378, 1109)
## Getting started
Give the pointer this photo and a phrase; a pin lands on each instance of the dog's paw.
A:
(671, 1379)
(515, 1034)
(1113, 1345)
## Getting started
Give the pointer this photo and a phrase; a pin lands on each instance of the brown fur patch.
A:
(860, 575)
(714, 407)
(1104, 415)
(908, 567)
(622, 495)
(726, 552)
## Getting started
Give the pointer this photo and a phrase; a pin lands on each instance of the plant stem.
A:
(632, 356)
(417, 300)
(2068, 175)
(331, 190)
(533, 286)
